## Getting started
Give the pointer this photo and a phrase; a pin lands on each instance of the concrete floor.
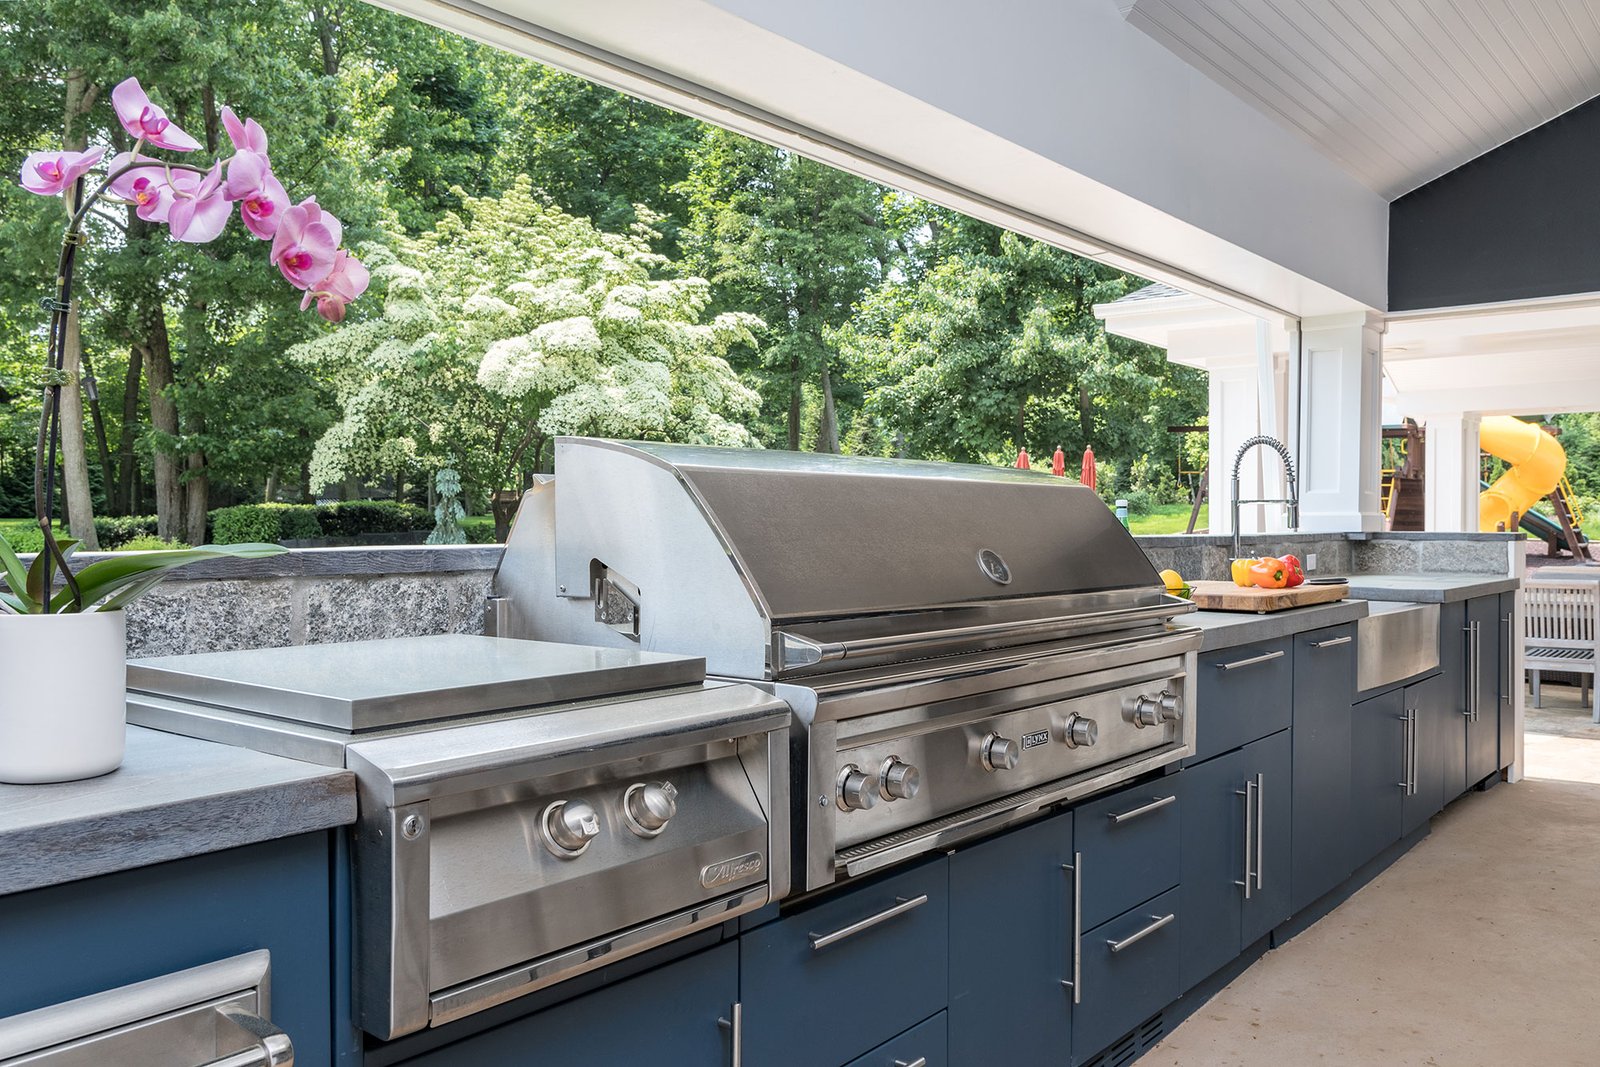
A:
(1480, 946)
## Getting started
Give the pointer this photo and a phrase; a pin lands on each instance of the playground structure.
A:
(1536, 471)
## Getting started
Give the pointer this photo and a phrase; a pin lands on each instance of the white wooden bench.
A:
(1561, 632)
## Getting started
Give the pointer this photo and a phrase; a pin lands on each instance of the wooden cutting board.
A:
(1225, 596)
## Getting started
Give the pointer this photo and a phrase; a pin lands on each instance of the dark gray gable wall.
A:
(1520, 221)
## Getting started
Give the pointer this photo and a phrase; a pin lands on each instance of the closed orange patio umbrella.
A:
(1086, 474)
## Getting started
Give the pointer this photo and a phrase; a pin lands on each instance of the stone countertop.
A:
(1442, 588)
(172, 797)
(1228, 629)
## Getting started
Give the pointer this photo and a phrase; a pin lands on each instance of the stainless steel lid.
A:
(367, 685)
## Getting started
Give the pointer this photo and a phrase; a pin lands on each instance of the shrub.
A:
(23, 539)
(115, 531)
(148, 544)
(352, 518)
(267, 523)
(479, 529)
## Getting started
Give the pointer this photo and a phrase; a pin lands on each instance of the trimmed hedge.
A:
(115, 531)
(299, 522)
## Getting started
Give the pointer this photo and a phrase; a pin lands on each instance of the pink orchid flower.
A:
(247, 136)
(347, 280)
(304, 246)
(146, 188)
(260, 196)
(48, 173)
(199, 211)
(146, 122)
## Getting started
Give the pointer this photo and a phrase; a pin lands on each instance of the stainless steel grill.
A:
(961, 645)
(528, 811)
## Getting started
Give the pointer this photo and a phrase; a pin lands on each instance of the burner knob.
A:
(901, 780)
(1169, 705)
(1081, 732)
(858, 790)
(1000, 753)
(569, 826)
(1147, 712)
(649, 806)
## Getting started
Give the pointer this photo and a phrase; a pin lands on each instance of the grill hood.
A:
(771, 563)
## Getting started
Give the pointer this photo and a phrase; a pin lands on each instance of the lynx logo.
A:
(993, 567)
(1035, 739)
(734, 870)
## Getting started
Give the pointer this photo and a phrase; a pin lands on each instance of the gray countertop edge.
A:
(1430, 588)
(173, 797)
(1229, 629)
(333, 562)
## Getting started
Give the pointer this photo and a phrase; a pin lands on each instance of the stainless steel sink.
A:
(1394, 642)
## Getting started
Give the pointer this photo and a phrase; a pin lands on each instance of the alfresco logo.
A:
(724, 871)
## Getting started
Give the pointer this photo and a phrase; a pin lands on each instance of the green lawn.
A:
(1166, 519)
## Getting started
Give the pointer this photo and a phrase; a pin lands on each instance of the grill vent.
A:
(1135, 1043)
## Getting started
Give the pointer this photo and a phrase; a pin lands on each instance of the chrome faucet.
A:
(1292, 500)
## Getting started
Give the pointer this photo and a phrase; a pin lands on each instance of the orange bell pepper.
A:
(1270, 573)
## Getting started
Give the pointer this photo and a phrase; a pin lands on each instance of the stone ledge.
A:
(334, 562)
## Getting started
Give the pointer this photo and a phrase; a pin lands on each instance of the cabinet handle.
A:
(1249, 793)
(1142, 809)
(920, 1061)
(901, 906)
(1505, 681)
(1261, 822)
(1135, 938)
(735, 1028)
(1332, 642)
(1415, 761)
(1076, 985)
(1405, 752)
(1251, 662)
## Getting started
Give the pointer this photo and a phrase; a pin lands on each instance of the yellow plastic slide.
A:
(1537, 462)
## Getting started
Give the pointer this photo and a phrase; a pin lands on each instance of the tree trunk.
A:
(127, 502)
(1086, 415)
(1022, 422)
(108, 474)
(305, 484)
(80, 97)
(196, 490)
(794, 402)
(272, 488)
(164, 420)
(828, 425)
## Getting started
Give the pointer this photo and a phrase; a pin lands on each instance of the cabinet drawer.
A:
(813, 983)
(1242, 693)
(1130, 972)
(921, 1046)
(1128, 844)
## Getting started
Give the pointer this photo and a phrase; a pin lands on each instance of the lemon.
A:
(1173, 581)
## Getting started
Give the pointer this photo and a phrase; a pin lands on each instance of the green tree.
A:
(510, 322)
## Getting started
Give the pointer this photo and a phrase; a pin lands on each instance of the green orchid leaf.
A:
(131, 592)
(41, 566)
(10, 605)
(17, 579)
(100, 580)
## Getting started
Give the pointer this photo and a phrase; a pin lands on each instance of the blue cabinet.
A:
(1324, 691)
(923, 1044)
(1377, 778)
(1453, 642)
(68, 941)
(1242, 694)
(1010, 947)
(668, 1015)
(1235, 853)
(1130, 972)
(1128, 848)
(1436, 732)
(837, 977)
(1483, 681)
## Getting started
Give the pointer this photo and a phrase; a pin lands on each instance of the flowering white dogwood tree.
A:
(512, 322)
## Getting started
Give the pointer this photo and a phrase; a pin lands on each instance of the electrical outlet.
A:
(1311, 561)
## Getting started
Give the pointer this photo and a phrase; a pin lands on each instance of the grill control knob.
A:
(1081, 732)
(1000, 753)
(649, 806)
(1170, 709)
(569, 826)
(858, 790)
(901, 780)
(1146, 712)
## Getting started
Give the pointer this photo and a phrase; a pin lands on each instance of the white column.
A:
(1450, 493)
(1339, 421)
(1233, 418)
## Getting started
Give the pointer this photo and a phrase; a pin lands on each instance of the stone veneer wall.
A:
(315, 595)
(1205, 557)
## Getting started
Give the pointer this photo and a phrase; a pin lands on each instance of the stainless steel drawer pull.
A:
(1076, 984)
(735, 1028)
(1135, 938)
(920, 1061)
(1332, 642)
(1265, 657)
(901, 906)
(1143, 809)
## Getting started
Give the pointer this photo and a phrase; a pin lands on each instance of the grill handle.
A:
(793, 651)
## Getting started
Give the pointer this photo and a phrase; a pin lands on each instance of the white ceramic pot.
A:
(63, 696)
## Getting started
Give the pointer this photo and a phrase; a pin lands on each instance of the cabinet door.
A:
(1377, 774)
(1510, 681)
(1324, 689)
(669, 1015)
(1129, 845)
(1242, 694)
(1211, 858)
(838, 977)
(1453, 641)
(1438, 728)
(1011, 947)
(1483, 726)
(1267, 765)
(923, 1044)
(1130, 972)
